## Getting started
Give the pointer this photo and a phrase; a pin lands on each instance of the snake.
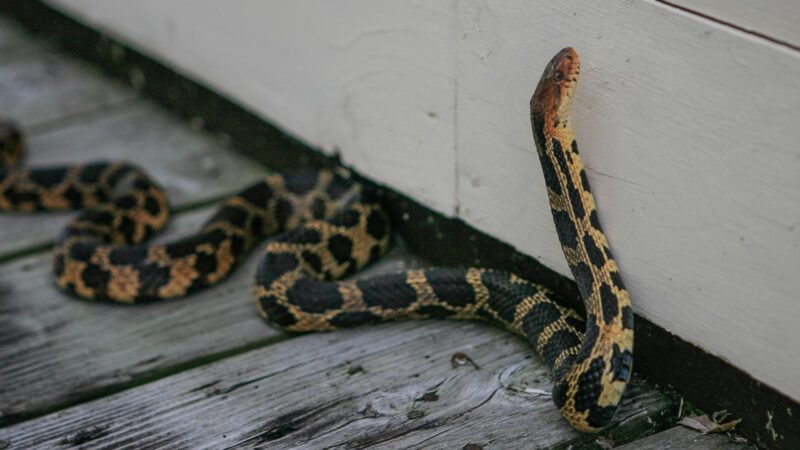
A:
(324, 225)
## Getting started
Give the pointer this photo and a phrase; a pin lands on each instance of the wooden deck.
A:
(206, 372)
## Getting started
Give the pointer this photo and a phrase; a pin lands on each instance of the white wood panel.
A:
(778, 19)
(689, 131)
(370, 79)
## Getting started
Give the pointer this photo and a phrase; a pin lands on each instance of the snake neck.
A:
(609, 324)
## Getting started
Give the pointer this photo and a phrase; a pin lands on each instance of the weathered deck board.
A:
(392, 386)
(679, 438)
(55, 351)
(192, 166)
(37, 86)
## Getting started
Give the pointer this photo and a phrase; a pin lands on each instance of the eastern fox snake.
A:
(331, 227)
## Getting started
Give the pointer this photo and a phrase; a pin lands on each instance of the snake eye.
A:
(558, 76)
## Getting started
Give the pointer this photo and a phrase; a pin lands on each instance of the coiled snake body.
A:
(332, 227)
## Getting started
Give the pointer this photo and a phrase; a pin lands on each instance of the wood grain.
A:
(389, 386)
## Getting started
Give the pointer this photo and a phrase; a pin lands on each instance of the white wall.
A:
(689, 129)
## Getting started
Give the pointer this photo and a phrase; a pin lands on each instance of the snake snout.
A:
(558, 83)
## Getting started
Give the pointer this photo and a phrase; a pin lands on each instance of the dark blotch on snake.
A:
(349, 319)
(560, 393)
(74, 197)
(283, 210)
(348, 218)
(585, 181)
(609, 302)
(127, 228)
(377, 226)
(47, 178)
(257, 225)
(567, 233)
(273, 266)
(574, 195)
(205, 263)
(257, 195)
(313, 296)
(583, 277)
(549, 170)
(341, 248)
(313, 261)
(303, 235)
(91, 173)
(318, 209)
(590, 385)
(275, 312)
(500, 300)
(434, 311)
(119, 256)
(593, 251)
(152, 206)
(125, 202)
(538, 318)
(594, 220)
(617, 280)
(183, 247)
(389, 291)
(450, 287)
(95, 277)
(558, 342)
(235, 216)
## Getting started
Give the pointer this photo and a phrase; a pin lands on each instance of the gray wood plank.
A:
(55, 350)
(40, 87)
(191, 165)
(386, 386)
(680, 438)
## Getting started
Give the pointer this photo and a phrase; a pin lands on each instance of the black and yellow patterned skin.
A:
(326, 227)
(590, 391)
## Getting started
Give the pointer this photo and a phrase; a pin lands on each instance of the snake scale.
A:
(326, 226)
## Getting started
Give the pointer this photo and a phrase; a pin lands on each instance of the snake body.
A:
(326, 226)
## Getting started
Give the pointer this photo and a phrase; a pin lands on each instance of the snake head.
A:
(556, 88)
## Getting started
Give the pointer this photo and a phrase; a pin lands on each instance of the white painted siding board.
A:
(372, 80)
(778, 19)
(689, 132)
